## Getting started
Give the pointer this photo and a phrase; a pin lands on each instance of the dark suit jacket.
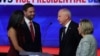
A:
(70, 41)
(28, 44)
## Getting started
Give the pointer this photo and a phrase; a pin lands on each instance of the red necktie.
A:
(31, 30)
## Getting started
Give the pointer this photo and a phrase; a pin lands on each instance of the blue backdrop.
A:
(46, 16)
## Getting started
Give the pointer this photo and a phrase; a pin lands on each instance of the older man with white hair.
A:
(69, 36)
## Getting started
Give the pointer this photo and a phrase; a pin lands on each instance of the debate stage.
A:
(51, 50)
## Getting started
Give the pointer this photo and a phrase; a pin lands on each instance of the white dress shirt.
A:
(67, 25)
(27, 21)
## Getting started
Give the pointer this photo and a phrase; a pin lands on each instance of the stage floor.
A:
(50, 50)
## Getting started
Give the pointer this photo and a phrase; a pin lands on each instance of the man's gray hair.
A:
(67, 11)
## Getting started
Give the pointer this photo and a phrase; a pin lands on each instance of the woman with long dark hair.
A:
(15, 33)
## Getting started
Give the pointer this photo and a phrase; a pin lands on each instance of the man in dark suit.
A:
(69, 37)
(32, 40)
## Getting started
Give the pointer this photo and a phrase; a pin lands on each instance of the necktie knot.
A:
(64, 28)
(30, 22)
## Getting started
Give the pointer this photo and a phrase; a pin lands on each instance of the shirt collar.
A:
(67, 24)
(27, 20)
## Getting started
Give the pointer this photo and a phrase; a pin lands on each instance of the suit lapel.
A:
(25, 27)
(67, 32)
(69, 28)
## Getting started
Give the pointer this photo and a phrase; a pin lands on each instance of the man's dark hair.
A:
(26, 6)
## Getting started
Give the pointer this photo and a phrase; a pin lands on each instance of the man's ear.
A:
(67, 17)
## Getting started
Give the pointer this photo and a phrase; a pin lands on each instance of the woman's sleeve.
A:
(85, 48)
